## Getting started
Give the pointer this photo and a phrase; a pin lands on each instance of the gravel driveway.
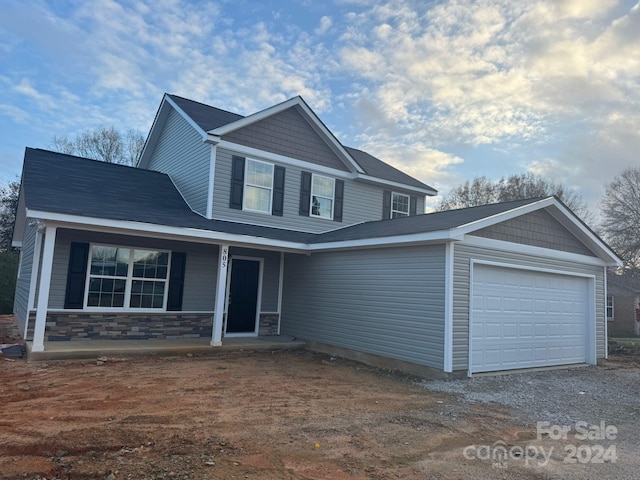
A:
(575, 403)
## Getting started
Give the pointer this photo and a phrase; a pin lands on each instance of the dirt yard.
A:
(274, 415)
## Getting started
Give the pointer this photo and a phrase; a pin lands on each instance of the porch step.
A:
(65, 350)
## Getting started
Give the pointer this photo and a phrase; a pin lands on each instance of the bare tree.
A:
(482, 191)
(105, 143)
(620, 209)
(8, 206)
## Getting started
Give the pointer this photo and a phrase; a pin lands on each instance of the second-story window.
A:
(399, 205)
(258, 186)
(322, 196)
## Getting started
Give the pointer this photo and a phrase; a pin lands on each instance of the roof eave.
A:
(156, 128)
(390, 183)
(563, 215)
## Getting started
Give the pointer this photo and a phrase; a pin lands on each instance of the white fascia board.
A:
(274, 157)
(154, 132)
(397, 240)
(564, 216)
(186, 117)
(16, 244)
(127, 227)
(581, 231)
(292, 102)
(504, 216)
(402, 186)
(532, 250)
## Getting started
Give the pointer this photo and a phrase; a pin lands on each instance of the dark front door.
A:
(243, 296)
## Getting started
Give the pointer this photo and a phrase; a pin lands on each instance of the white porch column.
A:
(37, 247)
(221, 290)
(43, 291)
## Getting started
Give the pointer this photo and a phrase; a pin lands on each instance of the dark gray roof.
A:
(59, 183)
(210, 118)
(430, 222)
(377, 168)
(205, 116)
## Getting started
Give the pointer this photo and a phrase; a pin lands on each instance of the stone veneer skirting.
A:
(268, 324)
(64, 326)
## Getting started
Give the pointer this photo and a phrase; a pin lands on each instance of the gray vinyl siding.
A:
(387, 302)
(539, 229)
(182, 154)
(461, 287)
(362, 202)
(270, 275)
(23, 282)
(200, 271)
(287, 133)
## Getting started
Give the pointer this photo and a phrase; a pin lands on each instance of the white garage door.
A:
(524, 319)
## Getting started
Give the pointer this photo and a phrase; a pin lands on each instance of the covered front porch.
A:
(99, 292)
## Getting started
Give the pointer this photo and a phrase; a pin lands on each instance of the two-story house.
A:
(267, 225)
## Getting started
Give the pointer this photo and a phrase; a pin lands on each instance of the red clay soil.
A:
(267, 415)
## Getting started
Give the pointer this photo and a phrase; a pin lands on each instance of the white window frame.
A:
(610, 307)
(247, 184)
(403, 214)
(128, 281)
(333, 197)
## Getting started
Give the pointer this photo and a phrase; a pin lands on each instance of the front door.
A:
(242, 301)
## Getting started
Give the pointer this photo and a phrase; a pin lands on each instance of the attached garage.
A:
(526, 317)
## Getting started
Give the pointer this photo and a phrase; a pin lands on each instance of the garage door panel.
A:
(521, 318)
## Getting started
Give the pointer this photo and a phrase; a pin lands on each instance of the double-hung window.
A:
(399, 205)
(322, 196)
(127, 278)
(258, 186)
(609, 307)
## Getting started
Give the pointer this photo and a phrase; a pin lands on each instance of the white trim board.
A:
(530, 250)
(448, 307)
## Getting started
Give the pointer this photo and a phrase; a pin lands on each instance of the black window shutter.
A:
(305, 193)
(339, 197)
(237, 182)
(176, 281)
(413, 205)
(278, 191)
(76, 275)
(386, 205)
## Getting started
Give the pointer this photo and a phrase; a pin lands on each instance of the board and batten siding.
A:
(23, 282)
(464, 253)
(181, 153)
(270, 275)
(362, 201)
(387, 302)
(200, 271)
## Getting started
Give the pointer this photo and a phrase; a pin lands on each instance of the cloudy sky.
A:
(446, 90)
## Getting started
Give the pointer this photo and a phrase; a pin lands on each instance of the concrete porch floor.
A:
(65, 350)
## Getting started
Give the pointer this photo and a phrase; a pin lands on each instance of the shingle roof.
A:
(377, 168)
(206, 116)
(59, 183)
(210, 118)
(430, 222)
(65, 184)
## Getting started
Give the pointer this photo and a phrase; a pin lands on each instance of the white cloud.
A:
(325, 25)
(43, 100)
(18, 115)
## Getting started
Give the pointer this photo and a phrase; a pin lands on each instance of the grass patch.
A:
(624, 346)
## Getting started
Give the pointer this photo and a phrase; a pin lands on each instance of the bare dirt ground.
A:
(267, 415)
